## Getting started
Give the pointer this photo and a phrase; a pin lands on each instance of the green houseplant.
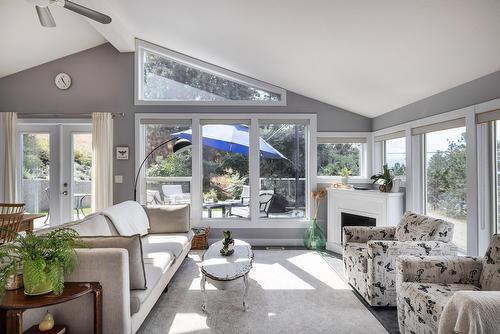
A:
(385, 179)
(44, 259)
(345, 173)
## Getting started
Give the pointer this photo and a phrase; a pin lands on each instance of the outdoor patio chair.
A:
(172, 194)
(153, 197)
(265, 200)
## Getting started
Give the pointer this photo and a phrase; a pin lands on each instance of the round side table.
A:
(13, 303)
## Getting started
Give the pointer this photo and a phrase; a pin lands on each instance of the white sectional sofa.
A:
(124, 310)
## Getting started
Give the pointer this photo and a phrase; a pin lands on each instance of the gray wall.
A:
(103, 80)
(480, 90)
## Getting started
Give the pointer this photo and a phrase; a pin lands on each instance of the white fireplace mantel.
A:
(386, 208)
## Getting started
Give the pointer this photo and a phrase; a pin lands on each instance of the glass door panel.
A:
(35, 181)
(82, 178)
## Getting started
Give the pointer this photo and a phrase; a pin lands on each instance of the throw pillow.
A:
(133, 245)
(168, 219)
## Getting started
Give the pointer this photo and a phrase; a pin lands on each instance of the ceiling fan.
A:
(47, 20)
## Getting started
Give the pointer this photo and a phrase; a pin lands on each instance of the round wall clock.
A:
(63, 81)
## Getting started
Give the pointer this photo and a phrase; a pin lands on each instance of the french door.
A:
(55, 171)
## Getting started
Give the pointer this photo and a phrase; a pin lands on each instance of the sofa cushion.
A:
(414, 227)
(172, 242)
(128, 217)
(424, 302)
(490, 275)
(156, 264)
(133, 244)
(168, 218)
(92, 225)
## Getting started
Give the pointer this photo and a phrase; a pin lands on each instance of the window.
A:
(167, 174)
(337, 154)
(226, 192)
(234, 172)
(445, 179)
(395, 155)
(282, 192)
(166, 76)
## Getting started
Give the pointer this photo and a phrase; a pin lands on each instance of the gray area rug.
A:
(291, 291)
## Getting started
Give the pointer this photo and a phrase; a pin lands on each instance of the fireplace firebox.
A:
(349, 219)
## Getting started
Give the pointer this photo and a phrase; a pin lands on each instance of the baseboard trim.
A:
(269, 242)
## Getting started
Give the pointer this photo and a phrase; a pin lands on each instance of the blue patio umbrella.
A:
(231, 138)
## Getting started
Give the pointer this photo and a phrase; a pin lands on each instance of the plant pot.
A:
(35, 286)
(14, 282)
(314, 238)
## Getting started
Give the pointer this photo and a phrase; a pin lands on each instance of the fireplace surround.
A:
(360, 208)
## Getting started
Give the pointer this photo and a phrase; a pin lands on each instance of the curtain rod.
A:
(72, 115)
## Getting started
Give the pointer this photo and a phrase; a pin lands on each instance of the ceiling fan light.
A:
(45, 16)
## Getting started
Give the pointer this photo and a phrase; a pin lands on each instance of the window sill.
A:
(260, 224)
(354, 180)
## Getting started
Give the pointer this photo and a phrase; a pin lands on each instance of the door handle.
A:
(65, 193)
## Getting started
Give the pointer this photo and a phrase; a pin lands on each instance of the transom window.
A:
(166, 77)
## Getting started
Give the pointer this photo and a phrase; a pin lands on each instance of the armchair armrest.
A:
(109, 267)
(439, 269)
(363, 234)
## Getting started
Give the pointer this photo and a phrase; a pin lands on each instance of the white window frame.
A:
(365, 157)
(384, 161)
(254, 167)
(142, 46)
(414, 166)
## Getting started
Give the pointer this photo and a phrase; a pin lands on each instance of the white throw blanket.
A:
(128, 217)
(472, 312)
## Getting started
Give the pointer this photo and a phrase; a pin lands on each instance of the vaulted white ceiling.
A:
(367, 56)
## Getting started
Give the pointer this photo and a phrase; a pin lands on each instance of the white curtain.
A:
(8, 122)
(102, 161)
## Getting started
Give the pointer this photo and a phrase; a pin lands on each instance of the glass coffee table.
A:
(225, 271)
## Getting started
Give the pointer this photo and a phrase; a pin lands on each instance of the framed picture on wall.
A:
(122, 152)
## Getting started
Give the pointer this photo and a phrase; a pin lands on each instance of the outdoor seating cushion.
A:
(168, 219)
(133, 244)
(129, 218)
(490, 275)
(156, 264)
(172, 242)
(415, 227)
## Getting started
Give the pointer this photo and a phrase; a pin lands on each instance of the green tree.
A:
(446, 179)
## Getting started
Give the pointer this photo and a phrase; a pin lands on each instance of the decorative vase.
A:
(314, 238)
(35, 286)
(345, 180)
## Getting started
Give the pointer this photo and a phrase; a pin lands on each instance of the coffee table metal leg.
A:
(204, 292)
(245, 281)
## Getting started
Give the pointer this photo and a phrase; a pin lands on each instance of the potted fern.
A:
(385, 179)
(44, 259)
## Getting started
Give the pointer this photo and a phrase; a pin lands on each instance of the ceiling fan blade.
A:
(45, 16)
(90, 13)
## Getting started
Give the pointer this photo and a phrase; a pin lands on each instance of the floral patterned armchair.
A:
(370, 253)
(426, 284)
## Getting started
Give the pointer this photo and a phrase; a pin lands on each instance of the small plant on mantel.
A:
(44, 259)
(385, 179)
